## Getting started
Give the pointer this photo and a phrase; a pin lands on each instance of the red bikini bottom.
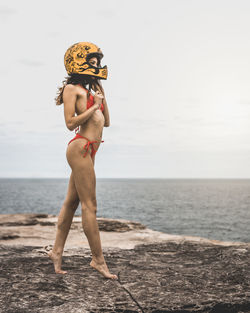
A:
(93, 152)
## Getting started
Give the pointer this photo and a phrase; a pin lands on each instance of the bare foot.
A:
(103, 269)
(57, 260)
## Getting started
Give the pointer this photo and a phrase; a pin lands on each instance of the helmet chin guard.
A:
(76, 60)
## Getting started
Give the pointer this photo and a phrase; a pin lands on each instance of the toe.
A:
(60, 271)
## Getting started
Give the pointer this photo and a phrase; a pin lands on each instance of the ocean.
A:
(211, 208)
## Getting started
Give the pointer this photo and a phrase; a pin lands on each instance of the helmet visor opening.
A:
(97, 55)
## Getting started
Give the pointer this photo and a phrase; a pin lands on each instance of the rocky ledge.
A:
(156, 272)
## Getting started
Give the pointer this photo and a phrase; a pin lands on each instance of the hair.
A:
(81, 79)
(76, 79)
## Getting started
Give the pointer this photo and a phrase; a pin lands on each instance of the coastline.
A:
(157, 272)
(33, 229)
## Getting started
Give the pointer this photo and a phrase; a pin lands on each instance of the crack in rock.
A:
(129, 293)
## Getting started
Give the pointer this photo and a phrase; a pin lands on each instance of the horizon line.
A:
(39, 177)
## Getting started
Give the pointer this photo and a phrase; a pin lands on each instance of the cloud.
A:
(127, 149)
(53, 34)
(194, 120)
(31, 63)
(244, 102)
(106, 13)
(5, 11)
(141, 123)
(7, 124)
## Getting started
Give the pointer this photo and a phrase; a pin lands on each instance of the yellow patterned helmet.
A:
(76, 60)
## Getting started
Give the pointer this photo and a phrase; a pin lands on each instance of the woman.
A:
(82, 62)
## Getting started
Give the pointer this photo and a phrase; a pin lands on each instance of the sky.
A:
(177, 88)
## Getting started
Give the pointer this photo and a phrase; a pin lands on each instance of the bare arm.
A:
(106, 113)
(105, 105)
(69, 100)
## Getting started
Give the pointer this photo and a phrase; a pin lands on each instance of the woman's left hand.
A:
(99, 87)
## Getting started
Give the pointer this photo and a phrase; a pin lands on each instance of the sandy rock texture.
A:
(162, 274)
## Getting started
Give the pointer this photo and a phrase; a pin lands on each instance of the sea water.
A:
(211, 208)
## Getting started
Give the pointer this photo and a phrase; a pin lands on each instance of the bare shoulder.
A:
(69, 88)
(75, 90)
(72, 92)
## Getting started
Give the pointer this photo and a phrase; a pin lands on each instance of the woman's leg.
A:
(85, 182)
(65, 217)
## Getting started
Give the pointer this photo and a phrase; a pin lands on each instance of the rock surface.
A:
(178, 274)
(40, 230)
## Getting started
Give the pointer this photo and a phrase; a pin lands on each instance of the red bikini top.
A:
(90, 101)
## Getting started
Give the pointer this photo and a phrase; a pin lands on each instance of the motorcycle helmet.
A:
(76, 60)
